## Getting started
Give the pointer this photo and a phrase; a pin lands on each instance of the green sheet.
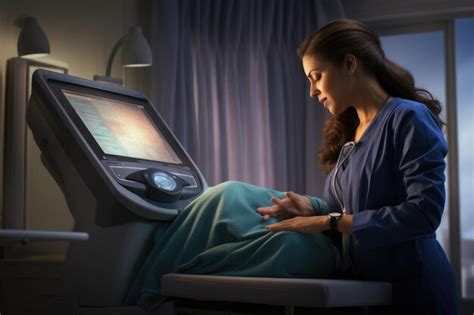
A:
(220, 233)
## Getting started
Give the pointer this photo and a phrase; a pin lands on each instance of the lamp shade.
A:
(135, 51)
(32, 41)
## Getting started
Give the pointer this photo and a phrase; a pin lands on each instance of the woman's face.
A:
(330, 83)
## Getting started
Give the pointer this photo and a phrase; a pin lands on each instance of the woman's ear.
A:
(350, 63)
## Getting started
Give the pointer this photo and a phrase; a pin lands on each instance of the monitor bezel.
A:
(57, 87)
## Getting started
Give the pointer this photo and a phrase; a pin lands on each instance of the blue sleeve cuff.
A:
(361, 220)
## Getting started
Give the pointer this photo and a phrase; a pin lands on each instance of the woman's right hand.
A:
(293, 205)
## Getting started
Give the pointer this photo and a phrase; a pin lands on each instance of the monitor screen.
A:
(121, 128)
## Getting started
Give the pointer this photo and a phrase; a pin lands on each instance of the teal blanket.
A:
(220, 233)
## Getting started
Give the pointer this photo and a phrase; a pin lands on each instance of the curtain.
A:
(228, 82)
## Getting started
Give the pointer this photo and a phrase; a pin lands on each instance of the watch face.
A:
(335, 214)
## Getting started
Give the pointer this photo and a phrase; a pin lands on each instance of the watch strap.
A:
(334, 217)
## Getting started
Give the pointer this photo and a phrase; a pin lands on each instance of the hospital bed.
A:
(122, 191)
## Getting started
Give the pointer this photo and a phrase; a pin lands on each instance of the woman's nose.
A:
(313, 91)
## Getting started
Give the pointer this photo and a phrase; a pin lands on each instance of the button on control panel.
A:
(123, 171)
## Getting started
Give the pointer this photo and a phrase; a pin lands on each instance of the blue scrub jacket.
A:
(393, 183)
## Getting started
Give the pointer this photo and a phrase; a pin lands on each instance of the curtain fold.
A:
(228, 82)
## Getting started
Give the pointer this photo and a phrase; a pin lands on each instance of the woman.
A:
(384, 152)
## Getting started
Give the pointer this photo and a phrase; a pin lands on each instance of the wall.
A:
(81, 34)
(381, 13)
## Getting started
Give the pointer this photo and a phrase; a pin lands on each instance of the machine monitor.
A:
(122, 129)
(117, 142)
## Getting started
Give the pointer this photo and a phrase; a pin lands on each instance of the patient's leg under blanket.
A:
(221, 233)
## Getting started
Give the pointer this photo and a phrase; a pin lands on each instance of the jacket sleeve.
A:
(420, 148)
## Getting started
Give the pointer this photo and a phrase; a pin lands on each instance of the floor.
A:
(28, 287)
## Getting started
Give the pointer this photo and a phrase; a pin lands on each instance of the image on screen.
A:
(121, 128)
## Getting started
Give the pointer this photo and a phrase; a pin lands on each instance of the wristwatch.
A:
(333, 218)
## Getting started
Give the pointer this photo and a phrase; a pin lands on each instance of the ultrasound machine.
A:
(125, 176)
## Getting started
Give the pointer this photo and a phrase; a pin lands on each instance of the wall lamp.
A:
(32, 42)
(135, 53)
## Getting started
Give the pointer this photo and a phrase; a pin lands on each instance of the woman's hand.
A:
(307, 225)
(293, 205)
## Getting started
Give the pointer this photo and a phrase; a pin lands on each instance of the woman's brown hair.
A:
(333, 42)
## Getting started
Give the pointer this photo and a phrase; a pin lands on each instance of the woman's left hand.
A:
(307, 225)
